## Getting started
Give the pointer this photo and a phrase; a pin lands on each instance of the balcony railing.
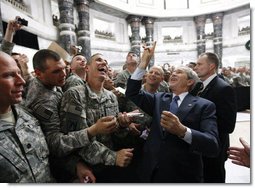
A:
(18, 4)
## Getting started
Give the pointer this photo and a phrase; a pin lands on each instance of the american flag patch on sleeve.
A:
(43, 112)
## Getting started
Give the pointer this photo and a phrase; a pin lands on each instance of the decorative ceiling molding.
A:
(157, 9)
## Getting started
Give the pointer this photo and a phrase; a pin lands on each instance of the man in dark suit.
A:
(173, 150)
(222, 95)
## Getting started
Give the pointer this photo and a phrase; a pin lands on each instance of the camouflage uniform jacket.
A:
(45, 104)
(81, 108)
(71, 81)
(121, 79)
(7, 47)
(23, 150)
(163, 87)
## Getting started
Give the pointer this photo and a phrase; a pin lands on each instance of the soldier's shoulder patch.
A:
(43, 113)
(77, 110)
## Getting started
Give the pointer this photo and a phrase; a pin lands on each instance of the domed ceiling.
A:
(166, 8)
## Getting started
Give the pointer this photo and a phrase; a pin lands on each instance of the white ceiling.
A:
(172, 8)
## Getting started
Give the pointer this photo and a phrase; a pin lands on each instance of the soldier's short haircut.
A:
(40, 58)
(212, 58)
(77, 55)
(90, 59)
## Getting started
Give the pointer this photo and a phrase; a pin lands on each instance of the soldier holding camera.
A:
(12, 27)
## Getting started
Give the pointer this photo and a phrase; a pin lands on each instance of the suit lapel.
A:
(164, 106)
(185, 107)
(208, 87)
(165, 103)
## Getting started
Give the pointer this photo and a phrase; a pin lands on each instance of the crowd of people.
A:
(80, 121)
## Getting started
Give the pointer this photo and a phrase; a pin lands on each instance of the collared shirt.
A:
(208, 80)
(181, 96)
(138, 75)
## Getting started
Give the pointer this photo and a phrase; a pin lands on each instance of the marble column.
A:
(200, 28)
(83, 27)
(149, 30)
(67, 36)
(217, 19)
(135, 22)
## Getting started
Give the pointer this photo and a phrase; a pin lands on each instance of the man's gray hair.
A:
(191, 74)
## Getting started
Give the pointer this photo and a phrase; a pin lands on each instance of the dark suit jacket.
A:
(223, 96)
(168, 158)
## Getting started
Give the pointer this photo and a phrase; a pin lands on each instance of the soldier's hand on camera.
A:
(104, 125)
(123, 120)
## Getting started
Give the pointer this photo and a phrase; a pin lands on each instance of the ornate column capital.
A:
(200, 20)
(135, 39)
(134, 18)
(85, 2)
(217, 18)
(148, 20)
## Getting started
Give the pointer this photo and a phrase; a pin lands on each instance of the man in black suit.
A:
(222, 95)
(177, 140)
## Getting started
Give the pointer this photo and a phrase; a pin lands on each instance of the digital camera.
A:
(22, 21)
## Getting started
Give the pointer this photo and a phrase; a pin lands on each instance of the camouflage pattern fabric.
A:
(81, 108)
(71, 81)
(23, 150)
(163, 87)
(121, 79)
(7, 47)
(45, 104)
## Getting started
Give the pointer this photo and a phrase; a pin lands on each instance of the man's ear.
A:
(38, 73)
(190, 82)
(86, 68)
(212, 66)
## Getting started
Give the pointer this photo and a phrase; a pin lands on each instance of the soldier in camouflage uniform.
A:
(44, 97)
(82, 106)
(78, 73)
(131, 64)
(23, 148)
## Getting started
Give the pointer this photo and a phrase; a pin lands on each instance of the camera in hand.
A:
(22, 21)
